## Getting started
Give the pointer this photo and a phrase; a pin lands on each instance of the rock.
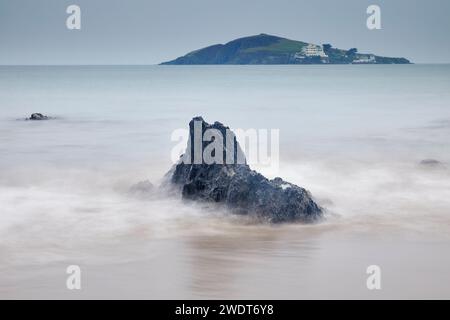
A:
(432, 163)
(142, 188)
(38, 116)
(236, 186)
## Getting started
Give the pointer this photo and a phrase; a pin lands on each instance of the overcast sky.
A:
(152, 31)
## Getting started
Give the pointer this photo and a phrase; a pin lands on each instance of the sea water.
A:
(352, 135)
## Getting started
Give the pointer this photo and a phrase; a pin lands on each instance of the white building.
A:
(312, 50)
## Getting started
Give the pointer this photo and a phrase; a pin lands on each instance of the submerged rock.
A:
(38, 116)
(234, 184)
(142, 188)
(431, 163)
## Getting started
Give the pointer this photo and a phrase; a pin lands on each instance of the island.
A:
(269, 49)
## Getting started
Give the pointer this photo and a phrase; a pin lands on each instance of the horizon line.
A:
(159, 64)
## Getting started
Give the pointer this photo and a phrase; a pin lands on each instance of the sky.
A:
(152, 31)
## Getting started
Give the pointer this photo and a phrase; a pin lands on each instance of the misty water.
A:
(354, 136)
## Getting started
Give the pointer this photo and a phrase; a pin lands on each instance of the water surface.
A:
(353, 135)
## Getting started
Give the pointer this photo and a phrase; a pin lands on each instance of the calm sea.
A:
(352, 135)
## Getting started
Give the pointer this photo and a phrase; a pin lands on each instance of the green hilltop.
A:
(268, 49)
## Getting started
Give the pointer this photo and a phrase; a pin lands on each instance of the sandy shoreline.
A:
(223, 260)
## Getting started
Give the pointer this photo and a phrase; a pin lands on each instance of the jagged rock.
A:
(235, 185)
(38, 116)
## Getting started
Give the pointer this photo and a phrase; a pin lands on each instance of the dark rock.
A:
(38, 116)
(236, 186)
(430, 163)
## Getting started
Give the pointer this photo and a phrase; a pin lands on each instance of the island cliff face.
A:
(268, 49)
(236, 186)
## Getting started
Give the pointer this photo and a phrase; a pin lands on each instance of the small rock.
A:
(38, 116)
(142, 188)
(430, 163)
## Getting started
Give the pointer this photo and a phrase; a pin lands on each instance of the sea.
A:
(370, 142)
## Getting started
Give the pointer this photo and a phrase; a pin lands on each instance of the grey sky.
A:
(152, 31)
